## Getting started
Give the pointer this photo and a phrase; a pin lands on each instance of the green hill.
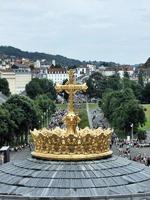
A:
(147, 64)
(11, 51)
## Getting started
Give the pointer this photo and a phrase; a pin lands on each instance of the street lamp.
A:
(44, 119)
(131, 131)
(47, 117)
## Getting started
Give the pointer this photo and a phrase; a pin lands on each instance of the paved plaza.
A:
(26, 153)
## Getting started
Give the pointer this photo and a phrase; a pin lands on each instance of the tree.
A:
(114, 82)
(122, 109)
(30, 111)
(97, 83)
(72, 66)
(141, 134)
(33, 88)
(65, 94)
(56, 66)
(16, 115)
(140, 78)
(6, 126)
(126, 74)
(31, 67)
(48, 88)
(45, 104)
(4, 86)
(40, 86)
(46, 107)
(136, 87)
(146, 93)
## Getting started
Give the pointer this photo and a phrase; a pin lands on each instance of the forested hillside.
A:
(11, 51)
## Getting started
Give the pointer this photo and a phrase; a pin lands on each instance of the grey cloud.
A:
(111, 30)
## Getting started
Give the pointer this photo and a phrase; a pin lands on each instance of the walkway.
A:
(96, 117)
(89, 115)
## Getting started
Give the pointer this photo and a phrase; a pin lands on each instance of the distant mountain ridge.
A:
(61, 60)
(12, 51)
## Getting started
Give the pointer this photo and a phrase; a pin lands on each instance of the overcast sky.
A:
(108, 30)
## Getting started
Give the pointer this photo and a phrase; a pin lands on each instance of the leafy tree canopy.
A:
(122, 109)
(7, 126)
(97, 84)
(4, 86)
(40, 86)
(45, 104)
(126, 74)
(29, 109)
(146, 93)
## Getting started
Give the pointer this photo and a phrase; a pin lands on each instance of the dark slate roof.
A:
(37, 178)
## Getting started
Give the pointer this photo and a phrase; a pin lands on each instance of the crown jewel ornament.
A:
(70, 143)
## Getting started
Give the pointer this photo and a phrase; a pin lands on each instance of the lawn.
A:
(61, 106)
(93, 106)
(83, 116)
(147, 113)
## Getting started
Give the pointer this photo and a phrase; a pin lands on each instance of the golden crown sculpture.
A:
(70, 143)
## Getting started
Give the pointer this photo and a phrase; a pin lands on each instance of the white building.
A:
(130, 70)
(53, 62)
(22, 78)
(80, 71)
(109, 71)
(57, 75)
(92, 68)
(37, 64)
(10, 76)
(17, 80)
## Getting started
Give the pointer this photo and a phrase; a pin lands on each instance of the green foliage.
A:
(140, 78)
(28, 107)
(114, 82)
(4, 86)
(141, 134)
(17, 116)
(23, 113)
(146, 93)
(126, 74)
(45, 104)
(147, 113)
(97, 84)
(11, 51)
(122, 109)
(83, 116)
(39, 87)
(56, 66)
(65, 93)
(7, 126)
(32, 67)
(136, 88)
(72, 67)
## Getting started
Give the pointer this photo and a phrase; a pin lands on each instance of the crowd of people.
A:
(144, 159)
(98, 119)
(125, 147)
(56, 119)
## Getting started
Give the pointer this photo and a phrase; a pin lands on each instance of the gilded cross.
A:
(71, 87)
